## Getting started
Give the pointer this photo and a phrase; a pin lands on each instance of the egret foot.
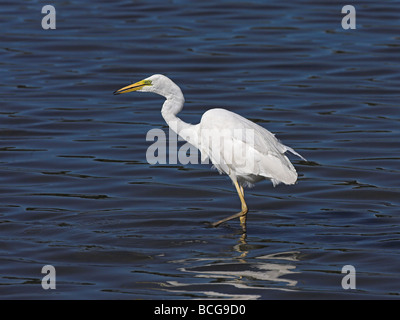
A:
(240, 215)
(243, 219)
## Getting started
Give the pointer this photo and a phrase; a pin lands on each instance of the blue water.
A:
(77, 193)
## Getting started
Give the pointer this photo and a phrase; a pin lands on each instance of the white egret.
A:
(243, 150)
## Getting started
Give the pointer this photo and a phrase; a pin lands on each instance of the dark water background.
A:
(76, 191)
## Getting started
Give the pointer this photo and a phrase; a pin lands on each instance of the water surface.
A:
(76, 191)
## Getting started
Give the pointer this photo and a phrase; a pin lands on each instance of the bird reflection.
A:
(247, 274)
(241, 247)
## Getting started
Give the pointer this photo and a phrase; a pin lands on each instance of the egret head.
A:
(157, 83)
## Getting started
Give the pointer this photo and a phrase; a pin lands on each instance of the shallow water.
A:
(77, 192)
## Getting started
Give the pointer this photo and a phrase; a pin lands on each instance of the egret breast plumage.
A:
(236, 146)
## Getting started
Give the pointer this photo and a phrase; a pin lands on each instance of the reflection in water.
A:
(264, 272)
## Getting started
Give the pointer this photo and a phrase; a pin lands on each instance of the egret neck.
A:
(171, 107)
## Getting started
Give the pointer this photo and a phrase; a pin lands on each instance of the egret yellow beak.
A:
(134, 87)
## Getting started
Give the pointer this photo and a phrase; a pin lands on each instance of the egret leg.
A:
(243, 218)
(242, 214)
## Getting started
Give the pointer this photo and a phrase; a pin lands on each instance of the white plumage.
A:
(256, 153)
